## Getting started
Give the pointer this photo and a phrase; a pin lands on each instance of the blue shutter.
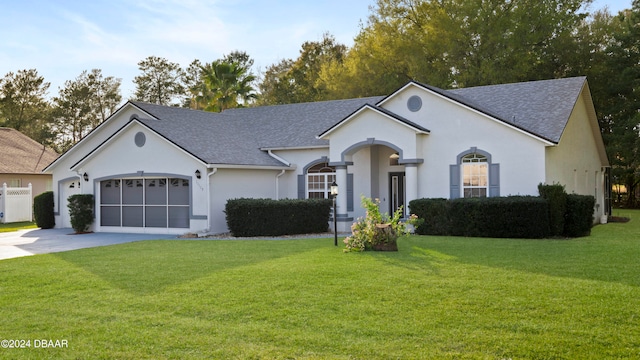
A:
(349, 192)
(494, 180)
(302, 187)
(454, 181)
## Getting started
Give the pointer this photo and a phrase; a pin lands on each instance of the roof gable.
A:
(21, 154)
(540, 108)
(388, 114)
(115, 136)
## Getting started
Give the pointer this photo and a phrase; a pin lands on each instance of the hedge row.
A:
(557, 198)
(504, 217)
(267, 217)
(579, 217)
(497, 217)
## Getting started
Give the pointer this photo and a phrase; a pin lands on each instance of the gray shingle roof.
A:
(22, 155)
(539, 107)
(236, 136)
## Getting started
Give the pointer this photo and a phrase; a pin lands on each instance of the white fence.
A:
(16, 204)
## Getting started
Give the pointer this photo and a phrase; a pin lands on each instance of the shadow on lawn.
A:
(148, 267)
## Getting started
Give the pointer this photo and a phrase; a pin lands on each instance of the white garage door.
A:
(145, 202)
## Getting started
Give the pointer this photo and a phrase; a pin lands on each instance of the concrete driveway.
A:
(39, 241)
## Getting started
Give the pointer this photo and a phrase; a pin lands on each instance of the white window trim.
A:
(328, 179)
(469, 161)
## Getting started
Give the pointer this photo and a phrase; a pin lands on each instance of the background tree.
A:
(242, 59)
(298, 81)
(105, 95)
(23, 104)
(194, 85)
(275, 86)
(618, 112)
(456, 43)
(225, 85)
(82, 104)
(160, 81)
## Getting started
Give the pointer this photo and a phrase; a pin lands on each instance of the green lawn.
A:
(9, 227)
(438, 297)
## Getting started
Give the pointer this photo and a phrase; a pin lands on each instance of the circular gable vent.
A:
(140, 139)
(414, 103)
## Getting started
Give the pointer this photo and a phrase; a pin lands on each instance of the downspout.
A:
(278, 182)
(270, 152)
(215, 170)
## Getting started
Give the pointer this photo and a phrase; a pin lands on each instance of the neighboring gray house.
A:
(163, 169)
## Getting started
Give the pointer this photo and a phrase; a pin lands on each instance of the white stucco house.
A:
(160, 169)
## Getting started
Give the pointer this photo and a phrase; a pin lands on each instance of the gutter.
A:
(270, 152)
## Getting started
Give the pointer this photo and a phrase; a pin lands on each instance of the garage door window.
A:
(149, 202)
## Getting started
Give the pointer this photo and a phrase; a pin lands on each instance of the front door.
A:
(396, 191)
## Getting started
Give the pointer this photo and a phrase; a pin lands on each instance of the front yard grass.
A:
(438, 297)
(9, 227)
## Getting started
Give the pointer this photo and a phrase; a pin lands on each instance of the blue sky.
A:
(62, 38)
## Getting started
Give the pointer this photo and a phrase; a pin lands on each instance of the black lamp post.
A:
(334, 195)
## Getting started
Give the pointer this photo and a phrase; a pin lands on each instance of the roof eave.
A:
(250, 167)
(377, 109)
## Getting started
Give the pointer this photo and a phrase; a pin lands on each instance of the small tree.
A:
(377, 231)
(81, 212)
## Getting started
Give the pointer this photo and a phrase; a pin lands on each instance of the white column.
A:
(411, 183)
(341, 201)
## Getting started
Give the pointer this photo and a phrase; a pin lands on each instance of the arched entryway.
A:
(380, 171)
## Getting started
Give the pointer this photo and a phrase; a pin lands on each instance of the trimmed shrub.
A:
(43, 210)
(435, 213)
(579, 215)
(81, 212)
(268, 217)
(498, 217)
(557, 198)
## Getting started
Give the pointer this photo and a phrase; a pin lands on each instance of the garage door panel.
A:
(132, 216)
(156, 216)
(110, 216)
(178, 217)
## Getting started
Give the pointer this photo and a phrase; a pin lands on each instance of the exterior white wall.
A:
(228, 184)
(371, 125)
(288, 182)
(575, 162)
(122, 158)
(62, 175)
(455, 129)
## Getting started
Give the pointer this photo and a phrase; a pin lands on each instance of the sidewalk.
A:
(38, 241)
